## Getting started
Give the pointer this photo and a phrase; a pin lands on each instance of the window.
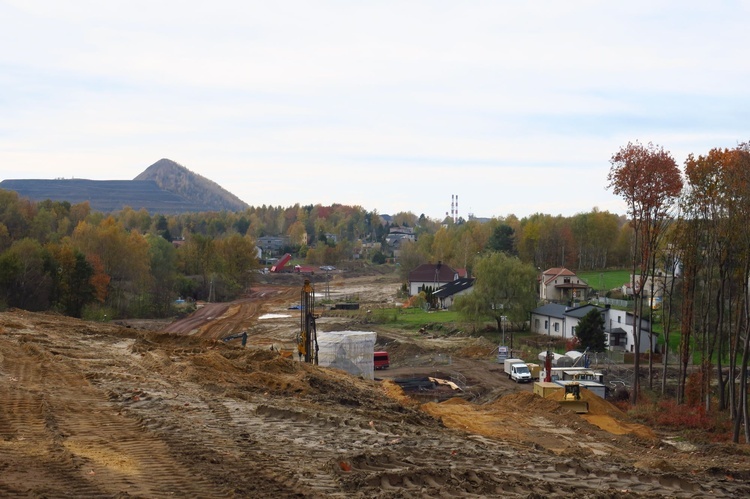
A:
(546, 325)
(557, 327)
(619, 319)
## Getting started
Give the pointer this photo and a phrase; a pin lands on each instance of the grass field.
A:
(605, 280)
(413, 318)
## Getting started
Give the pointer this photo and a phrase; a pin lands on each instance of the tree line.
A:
(68, 258)
(692, 224)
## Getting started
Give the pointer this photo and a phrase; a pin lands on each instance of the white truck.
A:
(517, 370)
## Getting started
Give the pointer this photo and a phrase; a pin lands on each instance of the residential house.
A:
(559, 284)
(430, 275)
(661, 283)
(272, 245)
(396, 236)
(549, 319)
(560, 321)
(447, 293)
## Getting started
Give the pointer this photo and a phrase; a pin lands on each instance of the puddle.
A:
(273, 316)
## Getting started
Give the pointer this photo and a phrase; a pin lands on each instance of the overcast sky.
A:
(515, 107)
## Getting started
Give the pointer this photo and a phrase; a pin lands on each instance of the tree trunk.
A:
(667, 320)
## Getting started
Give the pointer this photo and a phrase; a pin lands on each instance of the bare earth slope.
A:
(98, 410)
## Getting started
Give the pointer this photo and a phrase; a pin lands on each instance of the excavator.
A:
(307, 338)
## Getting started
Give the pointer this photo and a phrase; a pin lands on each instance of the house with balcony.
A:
(560, 285)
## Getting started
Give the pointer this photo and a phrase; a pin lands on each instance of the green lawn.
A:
(605, 280)
(413, 318)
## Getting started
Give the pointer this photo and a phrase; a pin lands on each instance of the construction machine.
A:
(572, 399)
(279, 267)
(242, 335)
(307, 338)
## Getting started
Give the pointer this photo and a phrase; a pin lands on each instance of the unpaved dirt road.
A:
(99, 410)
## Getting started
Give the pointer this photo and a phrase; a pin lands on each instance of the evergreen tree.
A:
(590, 331)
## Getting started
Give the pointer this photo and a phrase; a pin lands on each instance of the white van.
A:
(520, 373)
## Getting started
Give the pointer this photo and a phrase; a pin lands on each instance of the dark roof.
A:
(454, 287)
(551, 310)
(428, 272)
(582, 310)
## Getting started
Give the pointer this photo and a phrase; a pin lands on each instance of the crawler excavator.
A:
(307, 338)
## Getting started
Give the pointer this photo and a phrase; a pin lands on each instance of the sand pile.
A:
(607, 416)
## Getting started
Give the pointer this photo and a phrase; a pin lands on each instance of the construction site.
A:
(270, 396)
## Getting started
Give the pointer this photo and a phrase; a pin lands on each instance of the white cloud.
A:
(420, 99)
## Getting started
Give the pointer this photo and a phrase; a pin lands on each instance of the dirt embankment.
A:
(97, 410)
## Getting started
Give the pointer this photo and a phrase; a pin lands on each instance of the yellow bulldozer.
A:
(572, 399)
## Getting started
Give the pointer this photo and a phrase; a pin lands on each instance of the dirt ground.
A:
(113, 410)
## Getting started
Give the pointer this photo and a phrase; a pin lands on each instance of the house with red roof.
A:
(430, 275)
(559, 284)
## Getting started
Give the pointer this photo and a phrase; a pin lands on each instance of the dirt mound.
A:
(607, 416)
(480, 348)
(597, 405)
(527, 401)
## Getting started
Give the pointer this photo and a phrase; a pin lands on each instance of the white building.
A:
(560, 321)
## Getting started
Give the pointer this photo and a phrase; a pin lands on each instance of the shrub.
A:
(98, 312)
(694, 420)
(572, 344)
(378, 258)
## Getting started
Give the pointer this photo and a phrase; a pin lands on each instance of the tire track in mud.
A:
(28, 433)
(96, 415)
(217, 320)
(367, 460)
(278, 442)
(479, 469)
(94, 450)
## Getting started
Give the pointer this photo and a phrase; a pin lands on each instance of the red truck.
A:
(281, 263)
(381, 360)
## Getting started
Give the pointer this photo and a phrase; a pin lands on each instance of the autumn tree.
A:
(504, 286)
(125, 259)
(648, 180)
(71, 275)
(235, 262)
(24, 271)
(197, 257)
(409, 258)
(163, 263)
